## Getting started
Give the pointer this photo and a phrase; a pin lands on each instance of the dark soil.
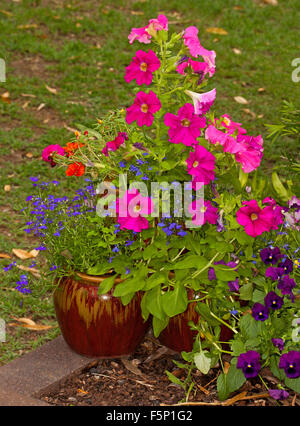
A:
(140, 380)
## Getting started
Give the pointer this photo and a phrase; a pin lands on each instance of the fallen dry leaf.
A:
(216, 30)
(261, 90)
(28, 95)
(5, 97)
(5, 12)
(30, 324)
(29, 155)
(82, 391)
(35, 272)
(40, 107)
(4, 256)
(271, 2)
(7, 188)
(51, 90)
(237, 51)
(241, 100)
(249, 112)
(23, 254)
(131, 367)
(27, 26)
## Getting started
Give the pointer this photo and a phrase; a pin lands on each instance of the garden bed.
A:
(140, 380)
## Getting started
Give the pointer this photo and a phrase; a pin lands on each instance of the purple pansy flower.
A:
(270, 255)
(249, 363)
(287, 266)
(290, 363)
(278, 394)
(278, 343)
(274, 273)
(286, 285)
(273, 301)
(260, 312)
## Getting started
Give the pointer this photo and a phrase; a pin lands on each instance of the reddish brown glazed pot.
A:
(178, 335)
(97, 326)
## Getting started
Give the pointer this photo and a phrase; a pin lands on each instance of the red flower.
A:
(75, 169)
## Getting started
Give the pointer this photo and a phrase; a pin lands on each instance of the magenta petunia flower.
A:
(49, 151)
(185, 127)
(142, 67)
(231, 126)
(277, 212)
(202, 101)
(132, 210)
(115, 144)
(144, 34)
(228, 142)
(254, 219)
(251, 152)
(143, 108)
(201, 165)
(203, 211)
(191, 40)
(201, 68)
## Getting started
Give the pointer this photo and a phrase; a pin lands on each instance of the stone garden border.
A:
(24, 379)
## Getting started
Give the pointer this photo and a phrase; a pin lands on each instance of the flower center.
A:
(137, 208)
(143, 67)
(195, 164)
(185, 122)
(253, 216)
(144, 108)
(203, 209)
(226, 121)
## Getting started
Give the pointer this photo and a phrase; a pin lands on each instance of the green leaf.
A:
(235, 378)
(174, 379)
(106, 285)
(192, 261)
(155, 279)
(153, 302)
(99, 269)
(248, 326)
(238, 347)
(159, 324)
(225, 273)
(132, 285)
(293, 384)
(279, 188)
(222, 387)
(204, 311)
(202, 361)
(175, 302)
(246, 291)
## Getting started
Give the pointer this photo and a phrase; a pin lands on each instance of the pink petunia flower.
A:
(143, 108)
(254, 219)
(231, 125)
(202, 101)
(200, 68)
(203, 211)
(115, 144)
(201, 165)
(228, 142)
(142, 67)
(131, 211)
(277, 212)
(192, 42)
(250, 153)
(49, 151)
(144, 34)
(185, 127)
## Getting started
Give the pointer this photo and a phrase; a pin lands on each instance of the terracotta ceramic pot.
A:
(178, 335)
(97, 326)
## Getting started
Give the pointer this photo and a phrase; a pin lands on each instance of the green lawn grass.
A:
(80, 49)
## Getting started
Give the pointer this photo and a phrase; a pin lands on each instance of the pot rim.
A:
(95, 279)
